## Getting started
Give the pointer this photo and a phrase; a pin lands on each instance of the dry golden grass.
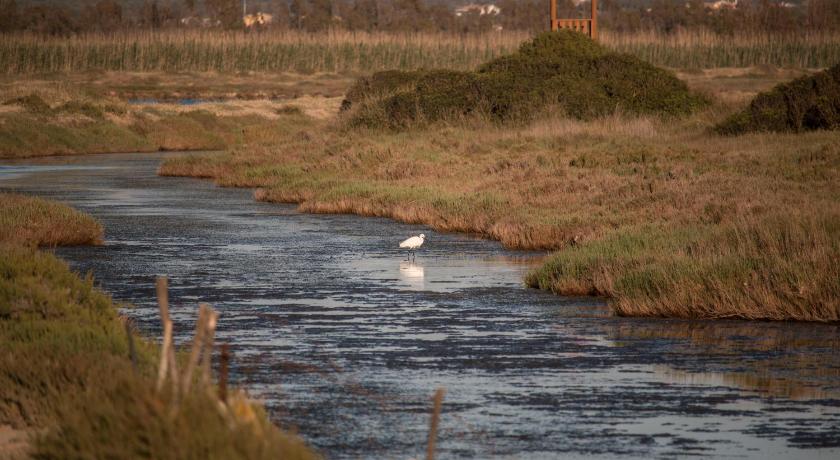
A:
(661, 216)
(35, 221)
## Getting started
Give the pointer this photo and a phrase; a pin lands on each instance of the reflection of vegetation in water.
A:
(794, 361)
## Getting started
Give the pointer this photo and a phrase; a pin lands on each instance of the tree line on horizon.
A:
(416, 15)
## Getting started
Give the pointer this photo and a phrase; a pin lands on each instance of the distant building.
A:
(195, 21)
(722, 5)
(486, 9)
(258, 19)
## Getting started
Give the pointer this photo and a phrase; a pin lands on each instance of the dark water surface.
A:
(347, 342)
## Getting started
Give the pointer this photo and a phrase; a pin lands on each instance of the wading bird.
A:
(411, 244)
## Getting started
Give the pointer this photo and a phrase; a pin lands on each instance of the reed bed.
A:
(276, 51)
(703, 49)
(361, 52)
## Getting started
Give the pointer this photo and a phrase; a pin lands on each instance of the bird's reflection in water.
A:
(412, 273)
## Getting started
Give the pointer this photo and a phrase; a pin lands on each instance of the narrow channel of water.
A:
(346, 341)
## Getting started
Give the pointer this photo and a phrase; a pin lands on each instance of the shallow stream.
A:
(346, 341)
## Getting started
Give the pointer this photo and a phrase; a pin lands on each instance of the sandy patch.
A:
(319, 107)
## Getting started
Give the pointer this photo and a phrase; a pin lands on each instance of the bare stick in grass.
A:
(433, 423)
(167, 362)
(207, 354)
(197, 345)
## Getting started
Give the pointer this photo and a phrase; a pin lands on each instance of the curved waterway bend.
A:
(347, 342)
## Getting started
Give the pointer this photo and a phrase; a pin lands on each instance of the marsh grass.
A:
(704, 49)
(361, 53)
(65, 366)
(664, 217)
(36, 221)
(55, 122)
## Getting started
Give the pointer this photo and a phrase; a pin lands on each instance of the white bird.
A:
(413, 243)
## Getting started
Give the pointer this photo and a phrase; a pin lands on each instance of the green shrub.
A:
(804, 104)
(561, 69)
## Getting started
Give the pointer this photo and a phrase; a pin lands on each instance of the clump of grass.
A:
(36, 221)
(772, 267)
(563, 69)
(289, 109)
(807, 103)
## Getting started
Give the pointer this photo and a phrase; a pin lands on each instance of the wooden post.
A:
(209, 335)
(433, 423)
(593, 26)
(195, 352)
(224, 360)
(552, 24)
(163, 305)
(168, 364)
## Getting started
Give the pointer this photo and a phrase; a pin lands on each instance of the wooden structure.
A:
(586, 26)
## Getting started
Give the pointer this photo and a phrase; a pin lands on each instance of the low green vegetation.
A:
(43, 122)
(65, 366)
(807, 103)
(561, 71)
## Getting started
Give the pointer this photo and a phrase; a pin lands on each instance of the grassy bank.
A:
(664, 217)
(32, 221)
(51, 118)
(65, 366)
(354, 53)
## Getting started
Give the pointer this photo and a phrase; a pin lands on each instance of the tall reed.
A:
(274, 51)
(706, 49)
(360, 52)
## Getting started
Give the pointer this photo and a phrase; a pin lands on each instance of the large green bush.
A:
(562, 70)
(803, 104)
